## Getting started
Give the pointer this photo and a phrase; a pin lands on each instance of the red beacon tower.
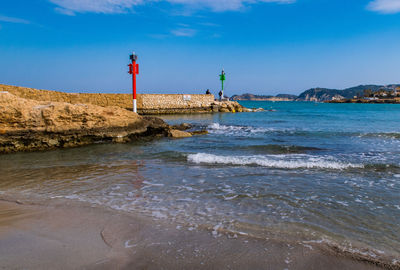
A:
(134, 69)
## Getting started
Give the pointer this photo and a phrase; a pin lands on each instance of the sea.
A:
(301, 171)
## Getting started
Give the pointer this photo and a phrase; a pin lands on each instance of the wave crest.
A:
(217, 128)
(272, 162)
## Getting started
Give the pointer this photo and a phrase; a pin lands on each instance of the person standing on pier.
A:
(222, 78)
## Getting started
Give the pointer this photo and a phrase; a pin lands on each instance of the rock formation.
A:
(228, 106)
(175, 133)
(35, 125)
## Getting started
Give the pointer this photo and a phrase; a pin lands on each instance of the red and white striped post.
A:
(134, 69)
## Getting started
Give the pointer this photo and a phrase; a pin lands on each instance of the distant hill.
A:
(319, 94)
(280, 97)
(324, 94)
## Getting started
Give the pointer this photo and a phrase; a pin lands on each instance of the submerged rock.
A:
(199, 132)
(183, 126)
(27, 125)
(260, 110)
(175, 133)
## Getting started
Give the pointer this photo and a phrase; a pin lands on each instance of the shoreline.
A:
(76, 235)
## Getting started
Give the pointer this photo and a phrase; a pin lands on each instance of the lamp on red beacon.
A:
(134, 69)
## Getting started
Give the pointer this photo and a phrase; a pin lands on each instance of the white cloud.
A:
(385, 6)
(13, 20)
(70, 7)
(224, 5)
(184, 32)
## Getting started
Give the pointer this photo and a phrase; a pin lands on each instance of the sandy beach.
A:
(83, 237)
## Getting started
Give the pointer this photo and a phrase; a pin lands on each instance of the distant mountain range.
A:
(320, 94)
(324, 94)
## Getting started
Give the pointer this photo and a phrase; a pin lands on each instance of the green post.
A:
(222, 78)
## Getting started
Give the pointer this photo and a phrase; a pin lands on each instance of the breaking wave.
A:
(310, 162)
(238, 130)
(217, 128)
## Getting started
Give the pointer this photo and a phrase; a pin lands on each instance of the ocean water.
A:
(305, 172)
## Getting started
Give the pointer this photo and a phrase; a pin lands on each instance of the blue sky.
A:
(265, 46)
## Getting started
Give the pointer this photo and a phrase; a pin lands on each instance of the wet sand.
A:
(83, 237)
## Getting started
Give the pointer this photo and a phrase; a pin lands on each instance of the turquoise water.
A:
(308, 172)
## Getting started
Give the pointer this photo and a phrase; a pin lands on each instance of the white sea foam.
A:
(129, 245)
(159, 215)
(217, 128)
(308, 162)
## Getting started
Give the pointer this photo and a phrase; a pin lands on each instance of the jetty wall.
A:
(174, 103)
(147, 103)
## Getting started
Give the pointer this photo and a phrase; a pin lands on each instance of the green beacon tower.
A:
(222, 78)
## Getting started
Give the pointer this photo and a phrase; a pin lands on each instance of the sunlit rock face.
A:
(35, 125)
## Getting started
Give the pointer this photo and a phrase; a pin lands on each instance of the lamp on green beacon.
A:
(222, 78)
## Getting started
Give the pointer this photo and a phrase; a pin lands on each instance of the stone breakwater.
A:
(27, 125)
(147, 103)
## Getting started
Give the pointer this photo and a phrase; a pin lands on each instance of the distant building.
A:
(337, 97)
(381, 93)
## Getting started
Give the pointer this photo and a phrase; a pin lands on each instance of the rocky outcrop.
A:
(182, 126)
(27, 125)
(228, 106)
(175, 133)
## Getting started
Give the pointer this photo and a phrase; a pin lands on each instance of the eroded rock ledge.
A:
(27, 125)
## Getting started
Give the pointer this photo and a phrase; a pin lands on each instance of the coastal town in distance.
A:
(358, 94)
